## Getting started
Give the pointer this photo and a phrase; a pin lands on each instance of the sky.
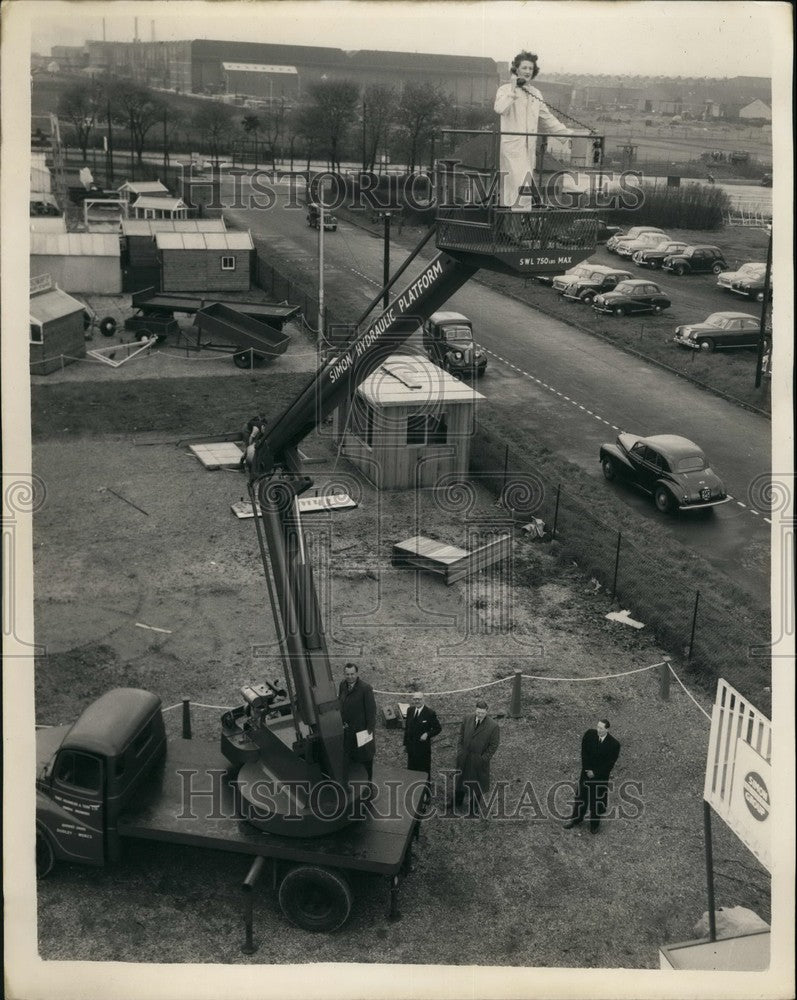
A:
(684, 38)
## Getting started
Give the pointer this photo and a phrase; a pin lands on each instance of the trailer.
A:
(149, 300)
(248, 340)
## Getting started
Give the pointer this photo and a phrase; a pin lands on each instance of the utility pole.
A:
(365, 151)
(764, 311)
(386, 260)
(109, 152)
(321, 219)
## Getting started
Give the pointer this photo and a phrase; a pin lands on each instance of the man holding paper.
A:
(358, 710)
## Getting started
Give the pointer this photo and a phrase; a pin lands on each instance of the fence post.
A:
(616, 565)
(186, 718)
(694, 624)
(514, 703)
(664, 680)
(556, 512)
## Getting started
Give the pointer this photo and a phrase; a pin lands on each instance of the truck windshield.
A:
(458, 334)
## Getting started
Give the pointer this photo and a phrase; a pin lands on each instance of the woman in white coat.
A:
(522, 109)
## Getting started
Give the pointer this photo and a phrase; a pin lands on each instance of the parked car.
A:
(551, 279)
(696, 259)
(633, 296)
(627, 248)
(672, 469)
(579, 228)
(589, 282)
(654, 257)
(749, 281)
(448, 341)
(632, 234)
(721, 329)
(314, 218)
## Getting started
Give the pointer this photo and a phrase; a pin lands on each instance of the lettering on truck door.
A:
(78, 788)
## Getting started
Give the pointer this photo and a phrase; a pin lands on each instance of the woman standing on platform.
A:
(522, 109)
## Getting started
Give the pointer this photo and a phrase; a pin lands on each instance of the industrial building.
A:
(269, 72)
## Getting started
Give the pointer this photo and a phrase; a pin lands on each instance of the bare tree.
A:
(420, 112)
(214, 122)
(379, 112)
(273, 129)
(82, 105)
(330, 113)
(140, 109)
(251, 124)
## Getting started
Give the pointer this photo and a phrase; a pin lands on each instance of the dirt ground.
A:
(135, 533)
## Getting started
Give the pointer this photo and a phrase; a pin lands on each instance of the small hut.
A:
(149, 207)
(56, 328)
(205, 262)
(78, 262)
(140, 262)
(130, 191)
(410, 423)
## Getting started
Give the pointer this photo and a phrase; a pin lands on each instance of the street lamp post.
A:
(386, 259)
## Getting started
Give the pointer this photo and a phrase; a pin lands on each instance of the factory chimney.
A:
(152, 31)
(135, 29)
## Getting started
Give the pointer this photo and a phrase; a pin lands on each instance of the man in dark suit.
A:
(478, 740)
(421, 727)
(599, 753)
(358, 711)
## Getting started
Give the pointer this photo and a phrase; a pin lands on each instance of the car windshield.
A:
(596, 276)
(720, 320)
(582, 271)
(458, 334)
(691, 463)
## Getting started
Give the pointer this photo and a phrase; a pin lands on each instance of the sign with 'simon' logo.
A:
(739, 785)
(751, 803)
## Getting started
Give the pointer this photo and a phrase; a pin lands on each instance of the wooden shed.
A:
(140, 262)
(149, 207)
(410, 424)
(56, 329)
(78, 262)
(205, 262)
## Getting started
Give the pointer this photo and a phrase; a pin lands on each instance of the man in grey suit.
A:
(478, 740)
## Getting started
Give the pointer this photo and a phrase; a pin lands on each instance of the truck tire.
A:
(107, 326)
(315, 899)
(45, 856)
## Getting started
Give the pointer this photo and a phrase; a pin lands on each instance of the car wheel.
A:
(609, 469)
(663, 499)
(707, 345)
(654, 264)
(717, 268)
(656, 310)
(45, 857)
(619, 311)
(588, 298)
(315, 899)
(680, 270)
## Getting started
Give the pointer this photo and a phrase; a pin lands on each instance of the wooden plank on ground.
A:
(479, 559)
(217, 454)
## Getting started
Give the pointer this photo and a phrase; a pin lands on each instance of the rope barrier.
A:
(686, 689)
(457, 691)
(597, 677)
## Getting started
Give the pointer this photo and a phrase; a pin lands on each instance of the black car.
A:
(314, 218)
(672, 469)
(448, 342)
(721, 329)
(588, 280)
(635, 296)
(696, 259)
(656, 256)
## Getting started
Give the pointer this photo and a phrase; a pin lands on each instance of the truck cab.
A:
(448, 341)
(86, 774)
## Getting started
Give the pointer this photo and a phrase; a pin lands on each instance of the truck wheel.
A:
(108, 326)
(315, 899)
(243, 359)
(45, 858)
(142, 335)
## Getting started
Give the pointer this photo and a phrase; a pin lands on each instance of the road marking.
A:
(767, 520)
(741, 504)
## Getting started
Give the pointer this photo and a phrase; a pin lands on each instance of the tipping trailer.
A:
(233, 332)
(150, 303)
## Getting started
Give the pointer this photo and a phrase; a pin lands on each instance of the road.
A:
(568, 390)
